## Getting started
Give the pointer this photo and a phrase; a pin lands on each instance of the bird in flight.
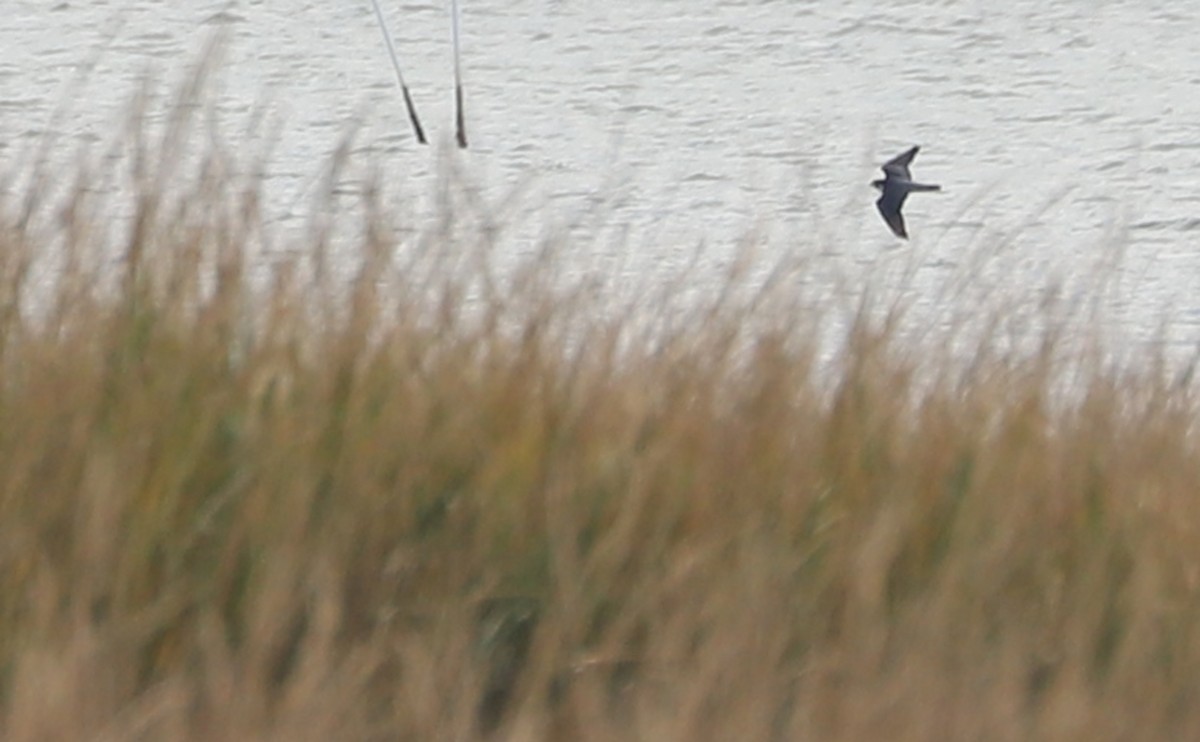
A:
(895, 186)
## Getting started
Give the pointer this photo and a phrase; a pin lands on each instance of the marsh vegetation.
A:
(375, 487)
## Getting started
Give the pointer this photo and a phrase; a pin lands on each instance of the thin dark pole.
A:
(460, 126)
(391, 48)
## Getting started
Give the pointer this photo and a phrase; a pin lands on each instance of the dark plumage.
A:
(895, 186)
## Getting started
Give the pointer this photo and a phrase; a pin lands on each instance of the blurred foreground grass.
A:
(240, 498)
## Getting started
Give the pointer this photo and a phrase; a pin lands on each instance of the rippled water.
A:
(1060, 132)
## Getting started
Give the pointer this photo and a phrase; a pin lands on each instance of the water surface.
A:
(1063, 134)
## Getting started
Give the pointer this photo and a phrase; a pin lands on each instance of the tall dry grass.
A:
(241, 497)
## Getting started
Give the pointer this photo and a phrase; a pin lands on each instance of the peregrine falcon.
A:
(895, 186)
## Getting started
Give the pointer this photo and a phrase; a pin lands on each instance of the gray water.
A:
(1065, 135)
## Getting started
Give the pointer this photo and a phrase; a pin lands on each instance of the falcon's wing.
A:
(889, 207)
(898, 165)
